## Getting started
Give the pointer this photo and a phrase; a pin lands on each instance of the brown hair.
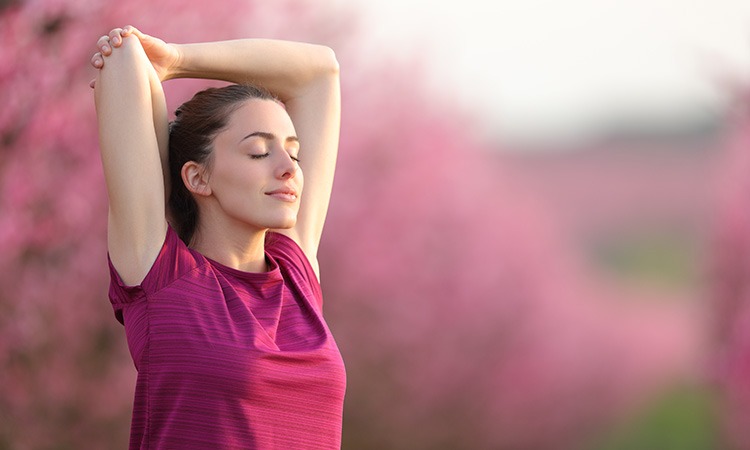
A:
(191, 135)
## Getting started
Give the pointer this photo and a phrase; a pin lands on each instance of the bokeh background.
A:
(539, 236)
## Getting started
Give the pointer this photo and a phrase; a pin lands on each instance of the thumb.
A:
(129, 29)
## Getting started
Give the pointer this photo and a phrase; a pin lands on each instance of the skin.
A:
(244, 192)
(236, 210)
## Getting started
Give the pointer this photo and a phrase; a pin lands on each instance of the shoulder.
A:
(287, 249)
(292, 260)
(309, 249)
(173, 261)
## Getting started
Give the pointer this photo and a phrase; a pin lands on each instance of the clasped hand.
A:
(164, 57)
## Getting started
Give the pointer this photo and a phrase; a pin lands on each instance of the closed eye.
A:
(259, 156)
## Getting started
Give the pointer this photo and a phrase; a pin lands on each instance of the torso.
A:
(241, 358)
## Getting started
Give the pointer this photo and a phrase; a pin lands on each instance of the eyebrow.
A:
(269, 136)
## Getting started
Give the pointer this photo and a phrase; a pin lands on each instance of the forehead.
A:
(260, 115)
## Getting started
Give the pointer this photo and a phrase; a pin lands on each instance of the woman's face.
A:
(254, 177)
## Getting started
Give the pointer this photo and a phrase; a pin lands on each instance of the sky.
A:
(556, 68)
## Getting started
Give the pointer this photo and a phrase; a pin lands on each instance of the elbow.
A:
(333, 63)
(317, 68)
(328, 64)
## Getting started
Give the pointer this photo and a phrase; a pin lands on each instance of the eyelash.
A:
(268, 154)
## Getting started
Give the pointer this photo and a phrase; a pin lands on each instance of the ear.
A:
(195, 177)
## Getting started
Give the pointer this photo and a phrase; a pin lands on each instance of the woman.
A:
(222, 305)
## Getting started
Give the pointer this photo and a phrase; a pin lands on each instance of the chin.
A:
(284, 224)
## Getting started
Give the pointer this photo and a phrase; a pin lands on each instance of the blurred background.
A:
(539, 235)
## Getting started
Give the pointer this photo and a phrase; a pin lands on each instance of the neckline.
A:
(273, 272)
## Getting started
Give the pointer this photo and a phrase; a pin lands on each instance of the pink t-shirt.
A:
(231, 359)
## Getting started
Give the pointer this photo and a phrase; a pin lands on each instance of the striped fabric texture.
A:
(231, 359)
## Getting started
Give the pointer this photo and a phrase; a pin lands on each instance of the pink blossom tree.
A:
(464, 317)
(731, 289)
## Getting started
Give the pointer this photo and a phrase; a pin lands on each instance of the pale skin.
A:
(255, 181)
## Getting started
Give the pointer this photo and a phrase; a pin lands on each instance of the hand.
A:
(105, 45)
(163, 57)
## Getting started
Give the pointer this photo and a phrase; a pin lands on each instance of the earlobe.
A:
(195, 179)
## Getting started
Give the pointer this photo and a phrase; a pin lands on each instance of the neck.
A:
(239, 247)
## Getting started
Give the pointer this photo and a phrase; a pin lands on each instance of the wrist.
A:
(177, 67)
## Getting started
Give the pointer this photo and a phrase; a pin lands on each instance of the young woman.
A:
(221, 305)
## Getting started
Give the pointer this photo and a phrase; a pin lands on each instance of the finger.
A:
(137, 33)
(115, 38)
(104, 46)
(127, 30)
(97, 60)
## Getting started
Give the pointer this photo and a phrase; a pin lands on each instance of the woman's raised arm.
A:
(133, 133)
(303, 76)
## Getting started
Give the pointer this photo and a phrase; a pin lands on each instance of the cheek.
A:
(235, 174)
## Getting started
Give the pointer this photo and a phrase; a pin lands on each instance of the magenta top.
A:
(231, 359)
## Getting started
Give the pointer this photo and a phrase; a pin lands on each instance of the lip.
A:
(284, 194)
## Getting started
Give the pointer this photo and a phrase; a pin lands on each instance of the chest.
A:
(243, 341)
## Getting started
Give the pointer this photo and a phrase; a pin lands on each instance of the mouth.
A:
(284, 194)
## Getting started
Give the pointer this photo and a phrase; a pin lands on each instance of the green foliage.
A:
(650, 258)
(683, 418)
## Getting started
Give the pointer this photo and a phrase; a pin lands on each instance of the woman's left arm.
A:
(306, 78)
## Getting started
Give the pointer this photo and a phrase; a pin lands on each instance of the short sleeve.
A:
(172, 262)
(293, 260)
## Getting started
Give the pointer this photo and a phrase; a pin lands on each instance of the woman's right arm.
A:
(132, 119)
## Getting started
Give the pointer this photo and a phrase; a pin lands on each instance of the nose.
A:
(286, 168)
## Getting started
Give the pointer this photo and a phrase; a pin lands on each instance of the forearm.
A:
(161, 125)
(127, 130)
(303, 76)
(288, 69)
(122, 87)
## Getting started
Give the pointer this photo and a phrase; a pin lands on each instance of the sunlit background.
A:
(539, 236)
